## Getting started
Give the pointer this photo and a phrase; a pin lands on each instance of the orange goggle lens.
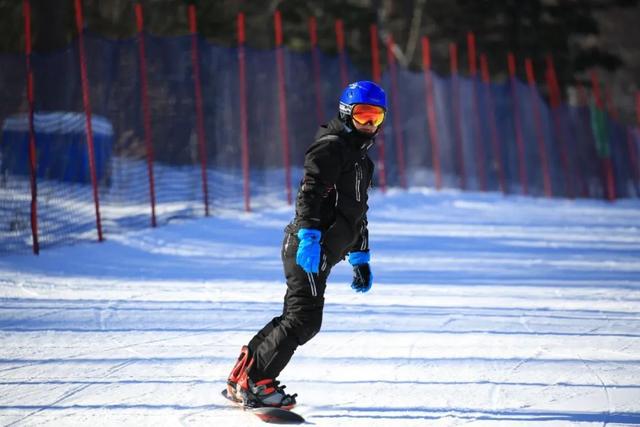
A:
(364, 113)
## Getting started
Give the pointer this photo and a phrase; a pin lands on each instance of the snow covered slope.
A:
(484, 311)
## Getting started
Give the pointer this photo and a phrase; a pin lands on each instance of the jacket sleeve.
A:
(362, 244)
(322, 165)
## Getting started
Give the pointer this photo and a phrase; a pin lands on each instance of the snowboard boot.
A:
(261, 393)
(267, 392)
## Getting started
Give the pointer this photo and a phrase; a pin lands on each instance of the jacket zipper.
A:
(358, 179)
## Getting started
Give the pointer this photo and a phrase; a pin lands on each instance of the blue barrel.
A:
(61, 146)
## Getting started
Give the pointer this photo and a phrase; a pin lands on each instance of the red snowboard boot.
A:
(266, 392)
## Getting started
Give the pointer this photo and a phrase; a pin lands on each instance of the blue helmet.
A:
(362, 92)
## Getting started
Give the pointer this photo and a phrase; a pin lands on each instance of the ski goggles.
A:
(365, 113)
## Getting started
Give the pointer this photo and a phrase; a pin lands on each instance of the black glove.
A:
(362, 277)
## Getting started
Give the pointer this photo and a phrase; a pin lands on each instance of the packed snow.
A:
(485, 311)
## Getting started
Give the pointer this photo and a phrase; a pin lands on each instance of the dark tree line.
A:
(568, 29)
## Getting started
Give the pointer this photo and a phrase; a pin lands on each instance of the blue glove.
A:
(362, 277)
(308, 254)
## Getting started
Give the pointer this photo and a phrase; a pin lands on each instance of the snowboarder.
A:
(330, 224)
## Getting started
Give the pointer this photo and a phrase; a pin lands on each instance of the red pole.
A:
(457, 123)
(375, 57)
(87, 109)
(606, 160)
(495, 141)
(582, 102)
(197, 86)
(244, 129)
(284, 131)
(26, 9)
(315, 57)
(554, 92)
(595, 85)
(145, 110)
(518, 124)
(542, 151)
(473, 71)
(375, 66)
(431, 111)
(395, 105)
(344, 72)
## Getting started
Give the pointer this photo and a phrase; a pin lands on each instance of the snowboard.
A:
(269, 414)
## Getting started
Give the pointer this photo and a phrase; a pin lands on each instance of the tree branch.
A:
(414, 32)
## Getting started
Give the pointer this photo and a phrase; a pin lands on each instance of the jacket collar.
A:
(356, 139)
(353, 138)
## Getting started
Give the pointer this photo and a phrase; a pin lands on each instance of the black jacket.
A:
(333, 192)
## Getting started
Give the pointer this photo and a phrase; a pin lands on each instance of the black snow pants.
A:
(273, 346)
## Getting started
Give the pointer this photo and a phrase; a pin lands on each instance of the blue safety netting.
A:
(66, 213)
